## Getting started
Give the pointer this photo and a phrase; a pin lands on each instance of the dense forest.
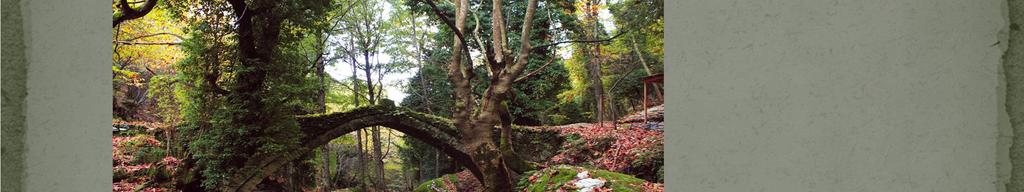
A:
(387, 95)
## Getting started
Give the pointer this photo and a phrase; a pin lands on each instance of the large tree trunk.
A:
(476, 132)
(487, 156)
(256, 48)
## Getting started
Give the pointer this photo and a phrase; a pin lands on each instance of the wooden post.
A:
(645, 103)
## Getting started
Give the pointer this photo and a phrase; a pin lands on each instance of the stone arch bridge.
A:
(320, 129)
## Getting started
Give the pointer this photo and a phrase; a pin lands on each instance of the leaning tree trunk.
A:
(647, 68)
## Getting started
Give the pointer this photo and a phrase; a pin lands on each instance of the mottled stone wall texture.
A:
(810, 95)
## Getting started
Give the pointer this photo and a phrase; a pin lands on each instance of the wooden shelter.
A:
(653, 79)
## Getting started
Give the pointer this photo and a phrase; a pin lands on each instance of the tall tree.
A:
(593, 29)
(367, 29)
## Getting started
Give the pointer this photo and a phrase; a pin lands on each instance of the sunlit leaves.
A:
(155, 57)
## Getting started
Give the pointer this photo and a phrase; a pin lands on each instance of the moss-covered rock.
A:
(565, 177)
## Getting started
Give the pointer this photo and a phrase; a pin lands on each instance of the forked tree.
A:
(477, 117)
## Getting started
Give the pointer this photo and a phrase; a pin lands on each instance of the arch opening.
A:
(320, 129)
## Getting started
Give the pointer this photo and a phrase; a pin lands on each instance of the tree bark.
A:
(256, 47)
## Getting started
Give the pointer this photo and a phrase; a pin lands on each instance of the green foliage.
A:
(225, 130)
(434, 94)
(149, 154)
(161, 89)
(340, 95)
(641, 22)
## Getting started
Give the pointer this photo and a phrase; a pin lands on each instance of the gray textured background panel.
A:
(810, 95)
(69, 89)
(13, 80)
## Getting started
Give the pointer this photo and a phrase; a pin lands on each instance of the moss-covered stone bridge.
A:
(319, 129)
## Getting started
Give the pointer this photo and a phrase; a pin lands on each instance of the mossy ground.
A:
(563, 176)
(548, 179)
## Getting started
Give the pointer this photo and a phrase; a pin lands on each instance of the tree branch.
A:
(146, 43)
(488, 52)
(524, 45)
(127, 13)
(155, 34)
(131, 41)
(212, 80)
(580, 41)
(521, 78)
(498, 39)
(451, 25)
